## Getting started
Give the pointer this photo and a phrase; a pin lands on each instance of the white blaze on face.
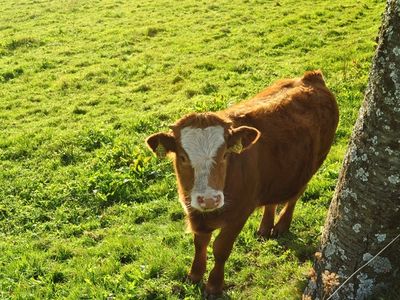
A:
(201, 145)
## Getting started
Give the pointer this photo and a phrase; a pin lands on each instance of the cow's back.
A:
(297, 119)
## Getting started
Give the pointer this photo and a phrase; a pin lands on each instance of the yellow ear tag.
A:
(238, 147)
(161, 151)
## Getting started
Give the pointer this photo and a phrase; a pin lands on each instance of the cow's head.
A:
(202, 144)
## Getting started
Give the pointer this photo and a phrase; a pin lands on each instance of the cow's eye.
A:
(182, 158)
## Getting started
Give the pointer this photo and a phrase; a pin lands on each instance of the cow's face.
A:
(201, 159)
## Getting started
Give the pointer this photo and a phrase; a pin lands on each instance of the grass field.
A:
(86, 212)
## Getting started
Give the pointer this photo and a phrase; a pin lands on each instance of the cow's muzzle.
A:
(207, 201)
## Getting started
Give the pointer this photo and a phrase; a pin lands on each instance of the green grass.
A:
(86, 212)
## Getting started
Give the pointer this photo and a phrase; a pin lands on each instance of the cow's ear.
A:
(161, 143)
(242, 138)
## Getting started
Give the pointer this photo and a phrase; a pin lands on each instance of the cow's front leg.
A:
(200, 256)
(221, 249)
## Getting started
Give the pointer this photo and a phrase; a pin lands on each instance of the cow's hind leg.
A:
(267, 222)
(286, 215)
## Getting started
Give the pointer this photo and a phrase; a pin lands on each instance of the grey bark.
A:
(364, 214)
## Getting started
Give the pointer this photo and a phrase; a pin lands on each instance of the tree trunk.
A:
(364, 215)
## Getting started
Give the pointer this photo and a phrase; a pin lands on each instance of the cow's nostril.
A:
(200, 199)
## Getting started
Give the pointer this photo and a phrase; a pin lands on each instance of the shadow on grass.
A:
(303, 250)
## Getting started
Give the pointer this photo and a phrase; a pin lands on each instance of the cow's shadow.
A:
(300, 247)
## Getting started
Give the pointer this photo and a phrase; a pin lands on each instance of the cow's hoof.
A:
(208, 296)
(212, 293)
(264, 234)
(279, 230)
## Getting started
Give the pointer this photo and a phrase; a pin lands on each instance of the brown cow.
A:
(260, 152)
